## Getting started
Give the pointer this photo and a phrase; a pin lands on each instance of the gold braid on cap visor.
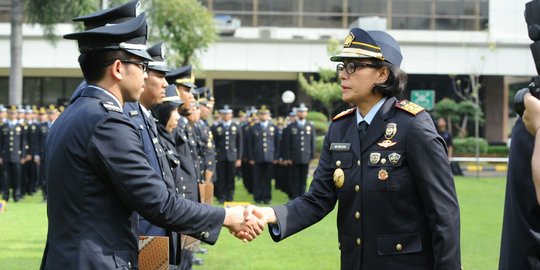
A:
(370, 50)
(186, 80)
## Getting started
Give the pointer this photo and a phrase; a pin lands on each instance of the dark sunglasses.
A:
(350, 67)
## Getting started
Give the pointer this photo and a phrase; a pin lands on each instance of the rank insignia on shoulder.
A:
(409, 107)
(111, 107)
(343, 114)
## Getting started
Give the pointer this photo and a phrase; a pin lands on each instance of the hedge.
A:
(467, 146)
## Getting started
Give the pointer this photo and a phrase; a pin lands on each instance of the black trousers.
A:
(298, 180)
(262, 191)
(226, 171)
(12, 180)
(247, 176)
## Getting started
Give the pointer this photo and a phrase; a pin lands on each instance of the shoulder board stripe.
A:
(343, 113)
(409, 107)
(111, 107)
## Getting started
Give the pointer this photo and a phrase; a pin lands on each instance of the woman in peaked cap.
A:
(386, 165)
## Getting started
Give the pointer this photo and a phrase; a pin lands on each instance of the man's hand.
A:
(252, 162)
(241, 227)
(531, 115)
(238, 163)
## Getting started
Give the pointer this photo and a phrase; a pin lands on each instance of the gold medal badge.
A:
(233, 128)
(374, 158)
(389, 133)
(383, 175)
(339, 176)
(219, 130)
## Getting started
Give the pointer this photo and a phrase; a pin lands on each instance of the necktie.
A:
(362, 128)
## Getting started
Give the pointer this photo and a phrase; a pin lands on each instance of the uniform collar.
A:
(145, 111)
(371, 114)
(107, 93)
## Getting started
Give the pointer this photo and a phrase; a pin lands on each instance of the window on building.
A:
(469, 15)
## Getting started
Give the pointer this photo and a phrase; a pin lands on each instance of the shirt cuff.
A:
(275, 229)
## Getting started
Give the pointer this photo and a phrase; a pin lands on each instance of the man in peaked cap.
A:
(101, 18)
(386, 165)
(262, 155)
(228, 141)
(98, 173)
(299, 149)
(12, 155)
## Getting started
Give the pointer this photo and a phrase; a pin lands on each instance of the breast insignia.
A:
(409, 107)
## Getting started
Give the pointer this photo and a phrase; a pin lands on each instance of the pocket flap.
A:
(399, 244)
(342, 160)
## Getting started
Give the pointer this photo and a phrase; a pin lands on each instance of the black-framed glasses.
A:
(350, 67)
(143, 65)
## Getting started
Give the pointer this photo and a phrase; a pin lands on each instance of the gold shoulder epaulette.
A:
(409, 107)
(343, 114)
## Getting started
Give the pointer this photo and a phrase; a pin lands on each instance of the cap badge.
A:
(348, 40)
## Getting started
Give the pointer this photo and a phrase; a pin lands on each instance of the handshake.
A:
(246, 223)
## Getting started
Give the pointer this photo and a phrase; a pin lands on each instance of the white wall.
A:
(501, 50)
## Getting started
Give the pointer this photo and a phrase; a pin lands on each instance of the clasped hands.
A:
(246, 223)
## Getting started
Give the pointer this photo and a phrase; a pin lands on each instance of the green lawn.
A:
(23, 229)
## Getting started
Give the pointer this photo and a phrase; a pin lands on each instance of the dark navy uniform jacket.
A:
(205, 142)
(520, 245)
(409, 220)
(98, 174)
(262, 143)
(189, 177)
(155, 154)
(299, 143)
(228, 141)
(12, 142)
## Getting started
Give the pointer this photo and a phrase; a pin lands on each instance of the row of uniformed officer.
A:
(21, 146)
(98, 172)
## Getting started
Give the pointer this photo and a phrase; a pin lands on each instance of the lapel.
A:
(377, 126)
(352, 135)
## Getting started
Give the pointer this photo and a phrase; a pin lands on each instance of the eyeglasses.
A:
(143, 65)
(350, 67)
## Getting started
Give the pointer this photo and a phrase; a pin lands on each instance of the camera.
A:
(533, 88)
(532, 17)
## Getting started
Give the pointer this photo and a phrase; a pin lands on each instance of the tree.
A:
(326, 89)
(186, 27)
(15, 76)
(448, 109)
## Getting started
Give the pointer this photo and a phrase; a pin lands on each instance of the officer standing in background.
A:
(386, 165)
(228, 141)
(205, 139)
(299, 146)
(97, 171)
(247, 168)
(139, 113)
(12, 155)
(262, 155)
(186, 148)
(43, 129)
(3, 121)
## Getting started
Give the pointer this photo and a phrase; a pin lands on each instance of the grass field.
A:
(23, 230)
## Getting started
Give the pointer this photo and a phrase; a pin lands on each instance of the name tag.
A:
(340, 147)
(155, 140)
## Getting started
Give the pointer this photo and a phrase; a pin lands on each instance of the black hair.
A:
(162, 112)
(394, 84)
(94, 64)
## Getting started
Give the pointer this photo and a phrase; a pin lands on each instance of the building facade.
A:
(277, 40)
